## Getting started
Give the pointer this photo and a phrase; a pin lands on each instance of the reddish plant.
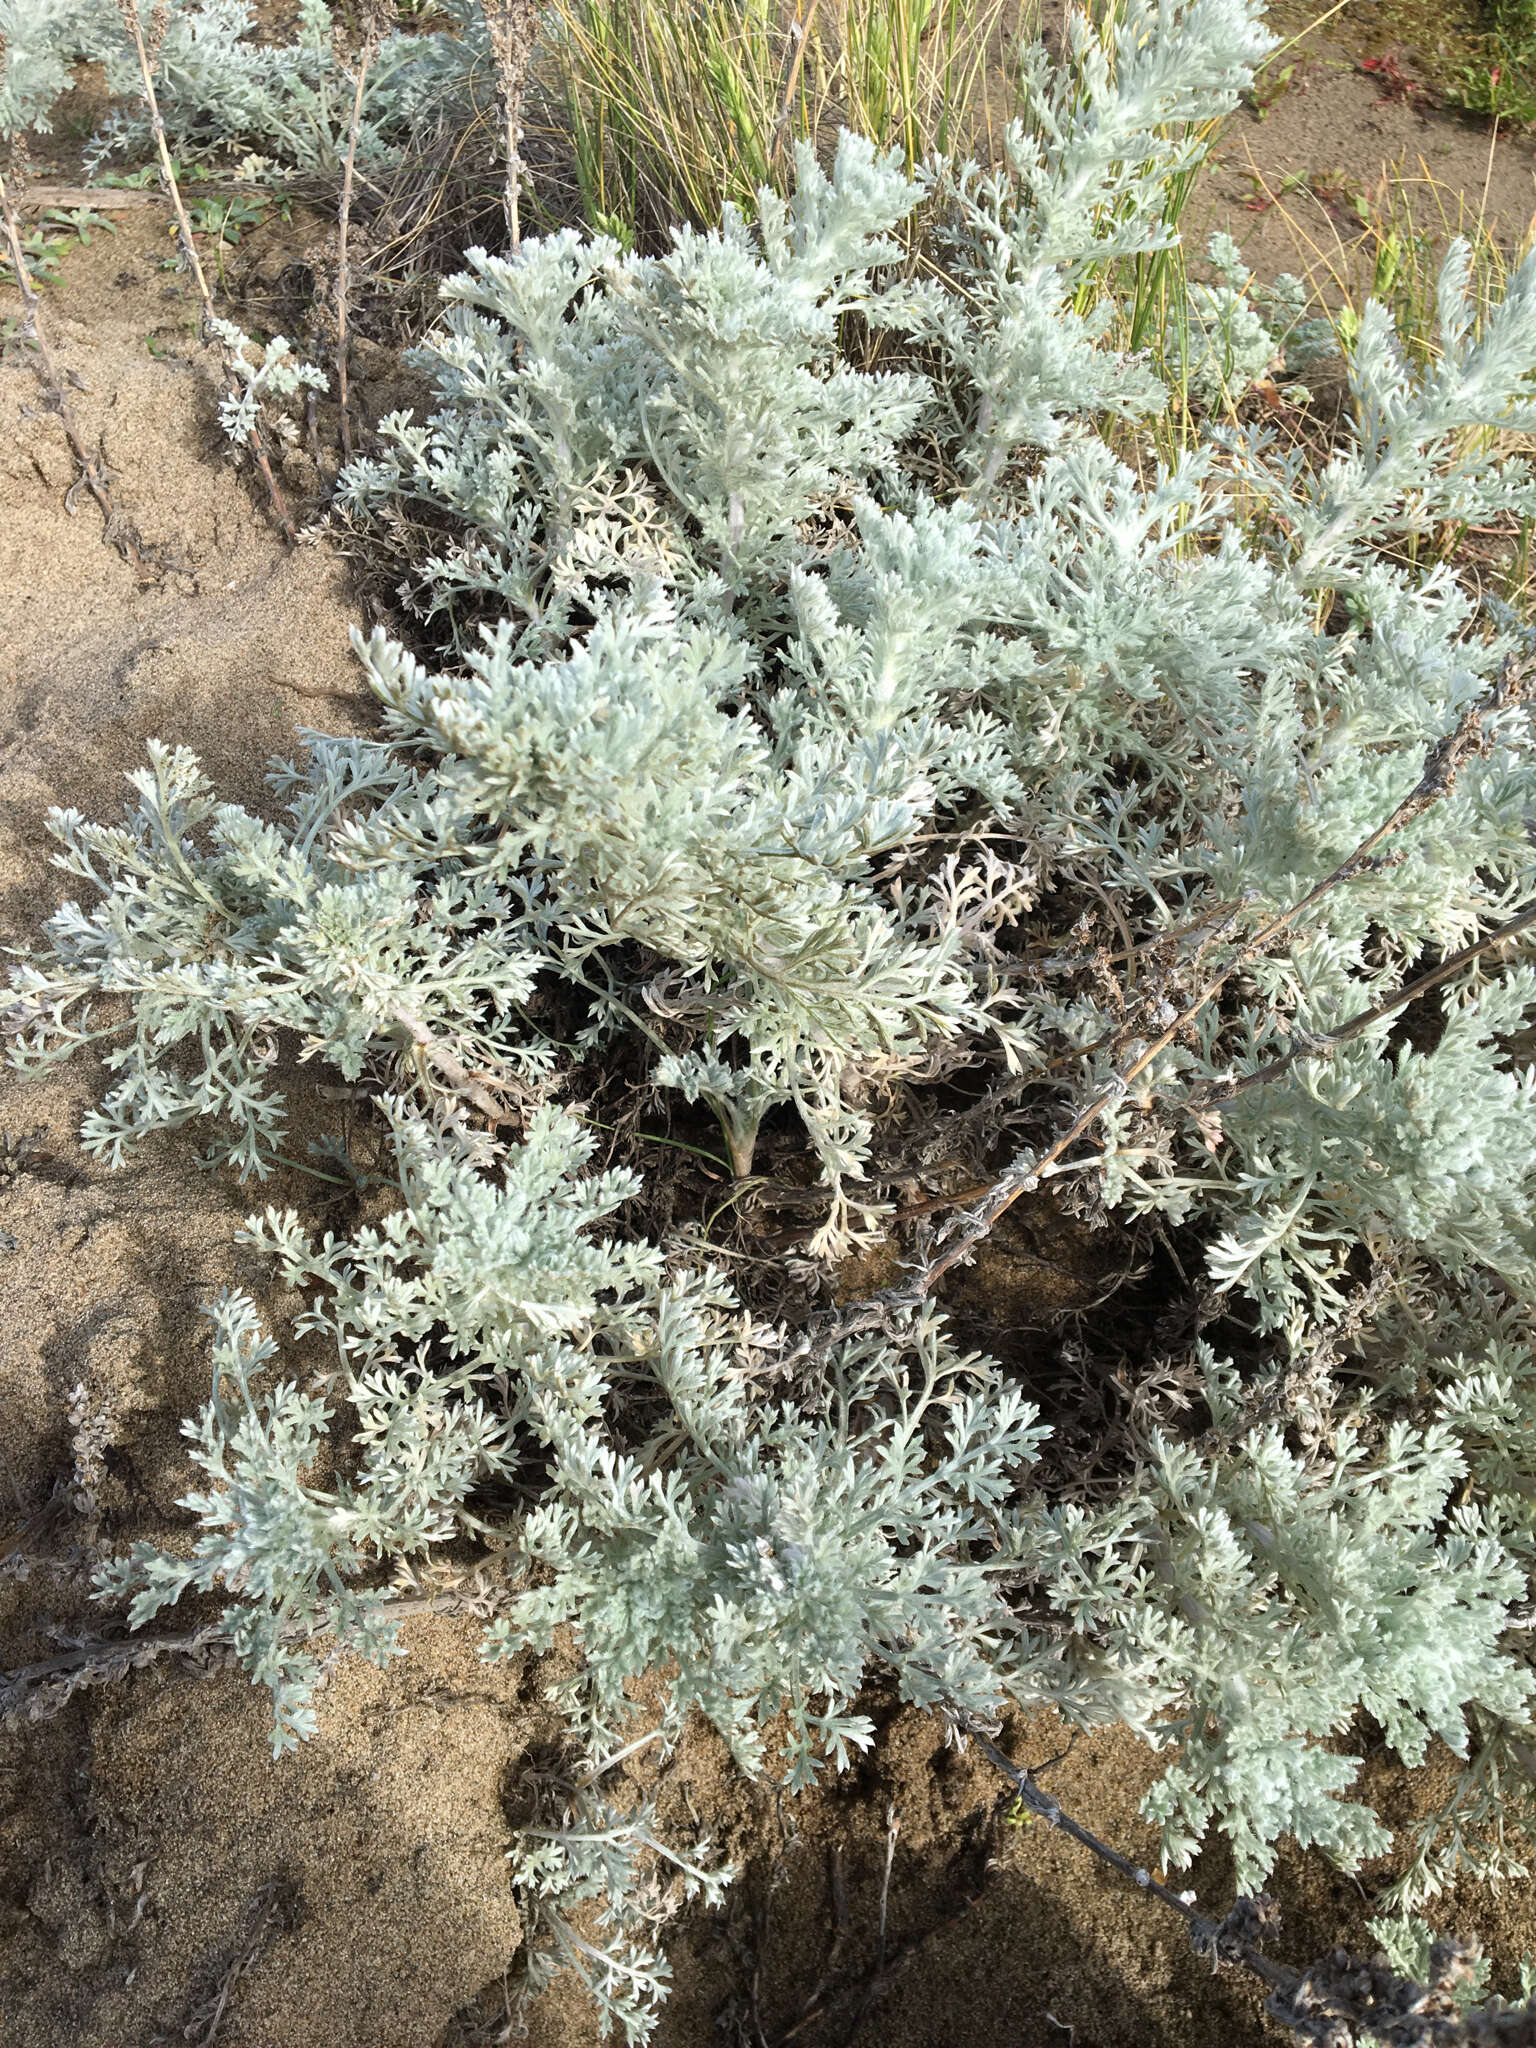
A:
(1389, 74)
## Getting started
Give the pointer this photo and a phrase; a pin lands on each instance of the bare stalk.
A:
(36, 1692)
(800, 36)
(1442, 764)
(431, 1052)
(511, 26)
(373, 32)
(147, 50)
(1337, 2001)
(1320, 1044)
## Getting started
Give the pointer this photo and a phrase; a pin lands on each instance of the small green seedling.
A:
(40, 254)
(79, 221)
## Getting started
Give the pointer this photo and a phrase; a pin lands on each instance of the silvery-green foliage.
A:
(1368, 1144)
(39, 40)
(278, 374)
(1231, 329)
(1242, 1600)
(214, 84)
(1482, 1828)
(615, 781)
(682, 1517)
(652, 809)
(1086, 178)
(1246, 1600)
(1168, 711)
(784, 1553)
(1102, 136)
(1482, 1373)
(1467, 1359)
(1437, 1150)
(784, 1558)
(743, 634)
(217, 931)
(1422, 451)
(1372, 1141)
(680, 417)
(746, 653)
(1408, 1945)
(468, 1282)
(294, 100)
(496, 1272)
(218, 87)
(289, 1549)
(613, 1859)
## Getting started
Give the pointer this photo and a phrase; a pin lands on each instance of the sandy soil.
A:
(148, 1847)
(1291, 186)
(161, 1879)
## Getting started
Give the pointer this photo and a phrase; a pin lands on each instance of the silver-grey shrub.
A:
(219, 87)
(760, 569)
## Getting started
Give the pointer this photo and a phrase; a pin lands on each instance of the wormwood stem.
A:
(373, 33)
(800, 36)
(35, 1692)
(1442, 764)
(453, 1070)
(511, 26)
(1332, 2000)
(147, 50)
(1323, 1043)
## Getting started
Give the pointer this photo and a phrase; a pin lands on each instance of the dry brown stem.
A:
(1335, 2002)
(99, 199)
(1323, 1043)
(36, 1692)
(147, 50)
(511, 26)
(433, 1053)
(373, 33)
(1442, 764)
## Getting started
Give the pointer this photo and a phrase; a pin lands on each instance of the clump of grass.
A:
(674, 110)
(671, 111)
(1391, 248)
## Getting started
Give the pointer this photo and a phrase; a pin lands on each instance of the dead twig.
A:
(868, 1990)
(1442, 764)
(511, 26)
(431, 1052)
(374, 25)
(892, 1830)
(1334, 2002)
(800, 39)
(99, 198)
(147, 50)
(36, 1692)
(275, 1908)
(1318, 1045)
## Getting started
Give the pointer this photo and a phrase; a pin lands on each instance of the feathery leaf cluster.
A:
(764, 567)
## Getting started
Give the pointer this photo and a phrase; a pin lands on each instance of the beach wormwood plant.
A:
(836, 698)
